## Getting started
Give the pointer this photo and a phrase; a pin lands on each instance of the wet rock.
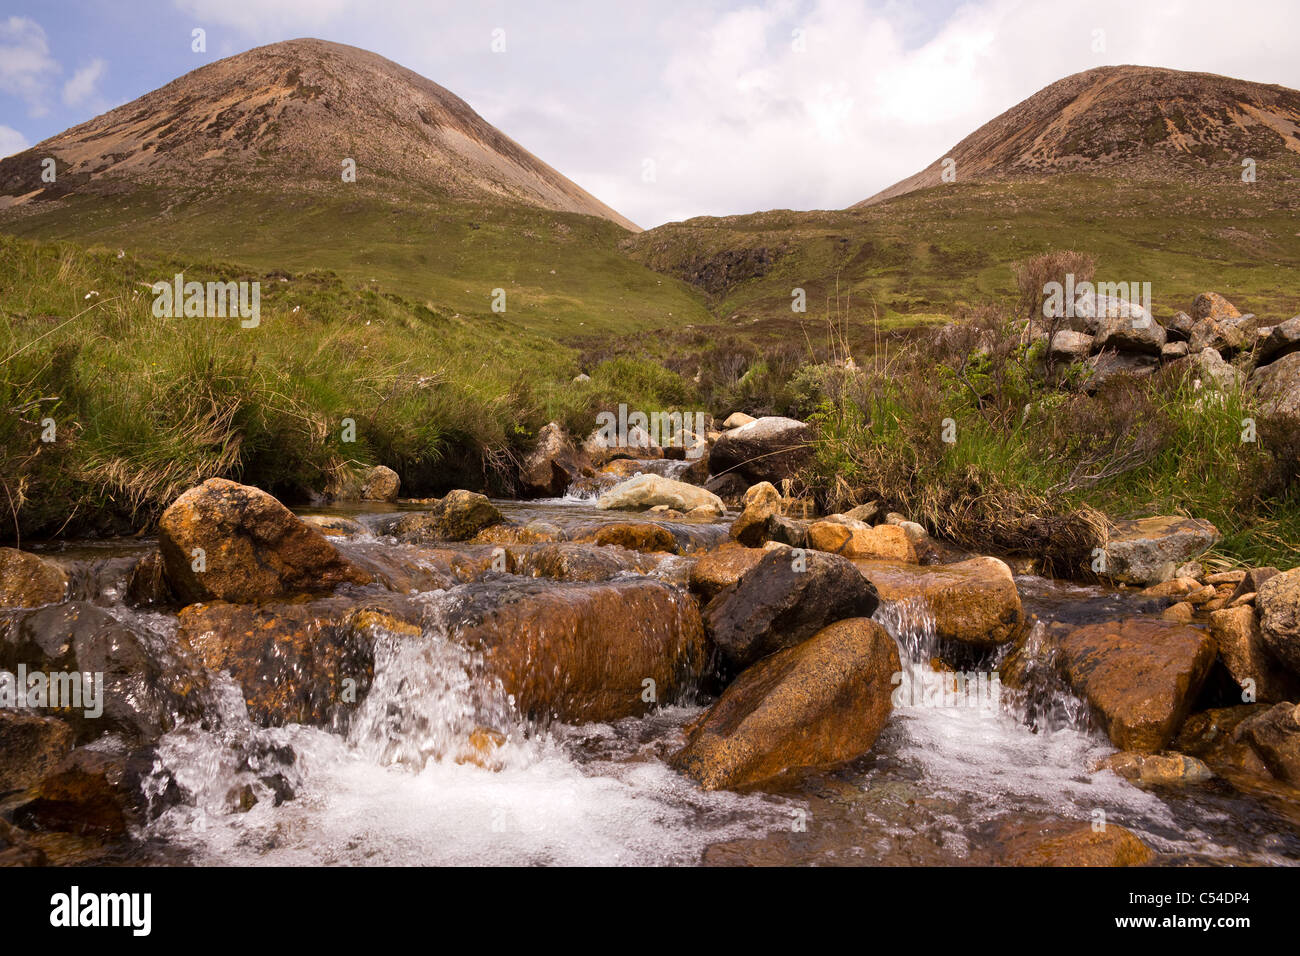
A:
(785, 599)
(973, 602)
(75, 800)
(18, 849)
(380, 484)
(1275, 736)
(722, 568)
(853, 539)
(305, 663)
(1140, 676)
(536, 531)
(1075, 844)
(1240, 643)
(1147, 551)
(729, 487)
(146, 584)
(584, 652)
(553, 465)
(759, 503)
(148, 685)
(335, 526)
(1183, 613)
(232, 542)
(1158, 770)
(635, 536)
(457, 517)
(577, 563)
(767, 449)
(601, 448)
(1278, 384)
(646, 491)
(30, 747)
(817, 704)
(1278, 601)
(1212, 736)
(1284, 339)
(788, 531)
(27, 580)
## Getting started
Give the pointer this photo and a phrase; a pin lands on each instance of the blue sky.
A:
(735, 106)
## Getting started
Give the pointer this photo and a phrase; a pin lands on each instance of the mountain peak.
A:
(1134, 122)
(290, 113)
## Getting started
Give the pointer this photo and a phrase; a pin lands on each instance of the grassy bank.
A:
(145, 407)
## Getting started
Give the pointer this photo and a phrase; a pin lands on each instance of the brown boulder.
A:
(972, 602)
(458, 516)
(1075, 844)
(30, 747)
(1275, 736)
(553, 465)
(759, 503)
(231, 542)
(306, 663)
(817, 704)
(1237, 636)
(1211, 305)
(635, 536)
(1278, 601)
(594, 652)
(853, 539)
(722, 568)
(787, 597)
(30, 581)
(767, 449)
(381, 484)
(1140, 676)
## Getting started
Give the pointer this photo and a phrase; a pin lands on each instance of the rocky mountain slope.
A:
(1131, 121)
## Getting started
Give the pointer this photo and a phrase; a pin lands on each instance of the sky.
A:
(665, 109)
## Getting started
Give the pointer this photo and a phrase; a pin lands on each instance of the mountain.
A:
(1140, 167)
(1131, 121)
(240, 163)
(289, 114)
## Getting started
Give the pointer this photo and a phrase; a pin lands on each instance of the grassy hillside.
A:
(563, 273)
(930, 253)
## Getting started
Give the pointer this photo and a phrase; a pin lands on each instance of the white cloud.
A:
(82, 88)
(26, 68)
(11, 141)
(734, 116)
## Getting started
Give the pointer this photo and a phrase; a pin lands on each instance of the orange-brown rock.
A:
(27, 580)
(1241, 647)
(817, 704)
(309, 662)
(458, 516)
(1074, 844)
(1158, 770)
(1139, 675)
(853, 539)
(973, 602)
(722, 568)
(230, 542)
(583, 652)
(30, 747)
(635, 536)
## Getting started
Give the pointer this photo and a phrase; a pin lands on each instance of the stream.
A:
(943, 785)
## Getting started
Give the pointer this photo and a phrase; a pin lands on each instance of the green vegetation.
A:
(145, 407)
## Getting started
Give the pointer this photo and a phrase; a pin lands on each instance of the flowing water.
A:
(942, 785)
